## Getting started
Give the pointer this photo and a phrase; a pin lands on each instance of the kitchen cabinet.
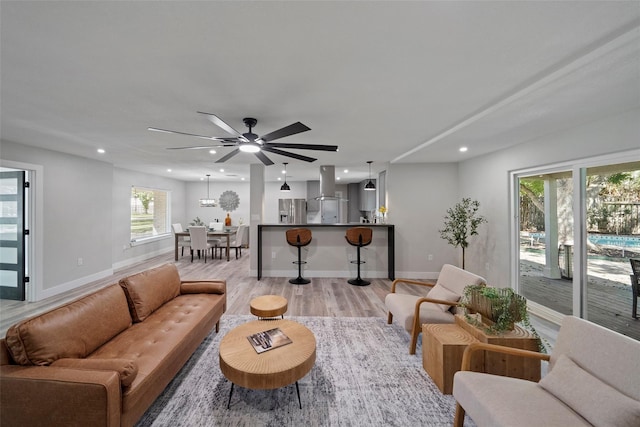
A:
(313, 191)
(367, 198)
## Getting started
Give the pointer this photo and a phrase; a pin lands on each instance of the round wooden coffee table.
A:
(267, 306)
(278, 367)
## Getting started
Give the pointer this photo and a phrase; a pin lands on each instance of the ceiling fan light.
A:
(249, 147)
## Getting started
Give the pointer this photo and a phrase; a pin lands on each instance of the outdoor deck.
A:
(608, 301)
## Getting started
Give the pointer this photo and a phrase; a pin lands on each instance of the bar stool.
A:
(299, 237)
(359, 237)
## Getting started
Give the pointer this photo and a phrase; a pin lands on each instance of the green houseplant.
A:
(500, 309)
(460, 223)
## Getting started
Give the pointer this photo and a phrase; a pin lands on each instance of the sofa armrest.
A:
(480, 346)
(44, 395)
(410, 282)
(203, 287)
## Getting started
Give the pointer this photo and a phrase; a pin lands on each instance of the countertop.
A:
(346, 224)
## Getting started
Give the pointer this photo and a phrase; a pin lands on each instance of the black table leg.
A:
(298, 391)
(230, 393)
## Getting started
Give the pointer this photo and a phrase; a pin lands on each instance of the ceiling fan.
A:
(249, 142)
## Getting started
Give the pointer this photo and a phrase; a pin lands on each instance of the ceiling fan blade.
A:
(292, 155)
(212, 138)
(221, 124)
(263, 158)
(285, 131)
(304, 146)
(228, 156)
(201, 147)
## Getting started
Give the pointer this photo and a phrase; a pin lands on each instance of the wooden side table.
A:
(442, 348)
(506, 365)
(268, 306)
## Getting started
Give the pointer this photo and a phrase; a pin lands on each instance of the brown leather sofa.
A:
(103, 359)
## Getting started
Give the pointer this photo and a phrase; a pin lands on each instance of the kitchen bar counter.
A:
(329, 254)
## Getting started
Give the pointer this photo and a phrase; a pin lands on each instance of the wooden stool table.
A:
(268, 306)
(442, 348)
(276, 368)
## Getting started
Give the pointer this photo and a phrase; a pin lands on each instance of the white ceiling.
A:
(385, 81)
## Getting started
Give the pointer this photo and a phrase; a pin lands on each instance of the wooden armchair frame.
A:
(458, 421)
(417, 328)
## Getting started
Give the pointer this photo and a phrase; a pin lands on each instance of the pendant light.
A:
(208, 202)
(285, 187)
(370, 186)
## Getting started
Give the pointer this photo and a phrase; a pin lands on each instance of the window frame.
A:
(166, 224)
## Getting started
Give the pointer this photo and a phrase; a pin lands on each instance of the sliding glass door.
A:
(546, 239)
(577, 228)
(12, 235)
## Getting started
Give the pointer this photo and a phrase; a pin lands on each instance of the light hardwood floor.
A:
(322, 297)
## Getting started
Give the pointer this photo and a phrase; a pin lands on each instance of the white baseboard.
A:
(131, 261)
(72, 285)
(418, 275)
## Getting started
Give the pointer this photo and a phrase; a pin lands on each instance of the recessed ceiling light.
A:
(337, 178)
(463, 149)
(221, 170)
(168, 170)
(346, 171)
(101, 150)
(242, 179)
(283, 171)
(279, 179)
(201, 179)
(212, 151)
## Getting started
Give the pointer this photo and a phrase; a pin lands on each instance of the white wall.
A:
(86, 204)
(76, 214)
(486, 179)
(123, 253)
(85, 215)
(198, 190)
(418, 196)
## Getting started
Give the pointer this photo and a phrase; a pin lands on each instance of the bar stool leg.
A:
(299, 280)
(358, 281)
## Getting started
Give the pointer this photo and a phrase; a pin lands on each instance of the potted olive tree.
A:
(460, 223)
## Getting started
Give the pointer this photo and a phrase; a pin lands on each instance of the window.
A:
(149, 213)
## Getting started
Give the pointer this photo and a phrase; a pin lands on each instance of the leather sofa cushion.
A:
(75, 329)
(126, 369)
(203, 287)
(149, 290)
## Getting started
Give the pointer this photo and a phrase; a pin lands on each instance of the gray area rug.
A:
(363, 375)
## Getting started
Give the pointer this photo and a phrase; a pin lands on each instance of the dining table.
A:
(210, 233)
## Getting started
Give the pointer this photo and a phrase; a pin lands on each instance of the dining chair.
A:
(182, 240)
(215, 242)
(239, 240)
(199, 242)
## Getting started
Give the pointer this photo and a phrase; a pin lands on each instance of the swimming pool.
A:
(627, 242)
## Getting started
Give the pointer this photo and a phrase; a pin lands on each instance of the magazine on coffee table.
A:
(268, 340)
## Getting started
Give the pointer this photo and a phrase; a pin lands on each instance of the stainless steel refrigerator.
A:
(292, 211)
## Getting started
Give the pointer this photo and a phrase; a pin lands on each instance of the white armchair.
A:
(437, 306)
(593, 380)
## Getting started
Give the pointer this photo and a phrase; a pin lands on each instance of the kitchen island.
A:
(329, 254)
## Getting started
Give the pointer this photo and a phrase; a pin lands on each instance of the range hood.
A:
(327, 183)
